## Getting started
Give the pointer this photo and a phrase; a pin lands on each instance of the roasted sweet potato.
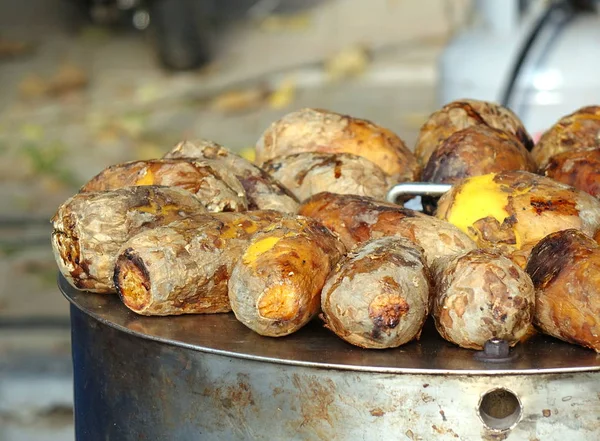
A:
(481, 295)
(580, 129)
(89, 228)
(461, 114)
(306, 174)
(262, 191)
(315, 130)
(378, 296)
(218, 192)
(579, 168)
(184, 267)
(474, 151)
(512, 211)
(565, 269)
(356, 219)
(275, 288)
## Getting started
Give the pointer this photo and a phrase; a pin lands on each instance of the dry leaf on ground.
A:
(351, 61)
(240, 100)
(284, 95)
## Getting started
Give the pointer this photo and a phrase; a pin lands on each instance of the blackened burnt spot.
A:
(559, 206)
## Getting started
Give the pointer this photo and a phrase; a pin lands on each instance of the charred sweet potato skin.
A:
(218, 192)
(476, 150)
(184, 267)
(481, 295)
(275, 288)
(316, 130)
(306, 174)
(512, 211)
(262, 191)
(578, 168)
(459, 115)
(565, 269)
(355, 219)
(580, 129)
(89, 228)
(378, 295)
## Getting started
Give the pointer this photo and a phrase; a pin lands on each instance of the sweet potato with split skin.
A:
(275, 288)
(378, 295)
(474, 151)
(512, 211)
(218, 192)
(306, 174)
(315, 130)
(565, 269)
(580, 129)
(481, 295)
(184, 267)
(459, 115)
(356, 219)
(89, 229)
(262, 191)
(579, 168)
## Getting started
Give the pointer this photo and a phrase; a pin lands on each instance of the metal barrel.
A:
(210, 378)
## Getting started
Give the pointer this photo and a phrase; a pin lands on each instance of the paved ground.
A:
(77, 104)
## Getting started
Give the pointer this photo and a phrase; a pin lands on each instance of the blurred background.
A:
(89, 83)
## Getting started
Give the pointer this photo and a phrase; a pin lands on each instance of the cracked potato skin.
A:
(89, 228)
(378, 295)
(460, 114)
(476, 150)
(218, 192)
(578, 168)
(275, 288)
(262, 191)
(306, 174)
(184, 267)
(356, 219)
(511, 211)
(481, 295)
(316, 130)
(565, 269)
(580, 129)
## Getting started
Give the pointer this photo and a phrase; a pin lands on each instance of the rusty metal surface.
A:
(130, 388)
(313, 346)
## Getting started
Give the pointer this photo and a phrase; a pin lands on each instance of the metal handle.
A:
(416, 189)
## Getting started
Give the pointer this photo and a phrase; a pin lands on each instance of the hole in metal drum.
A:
(499, 410)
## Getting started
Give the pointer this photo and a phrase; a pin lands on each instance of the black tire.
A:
(181, 33)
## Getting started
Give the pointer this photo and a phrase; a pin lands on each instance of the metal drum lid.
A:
(316, 347)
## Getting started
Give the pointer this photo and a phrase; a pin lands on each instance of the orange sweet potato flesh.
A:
(275, 287)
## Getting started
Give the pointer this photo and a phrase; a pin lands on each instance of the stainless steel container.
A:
(207, 377)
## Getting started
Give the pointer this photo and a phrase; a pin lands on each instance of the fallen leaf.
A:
(33, 86)
(239, 100)
(69, 78)
(10, 48)
(283, 23)
(148, 93)
(349, 62)
(284, 95)
(31, 132)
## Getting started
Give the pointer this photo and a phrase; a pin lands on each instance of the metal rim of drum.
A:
(315, 347)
